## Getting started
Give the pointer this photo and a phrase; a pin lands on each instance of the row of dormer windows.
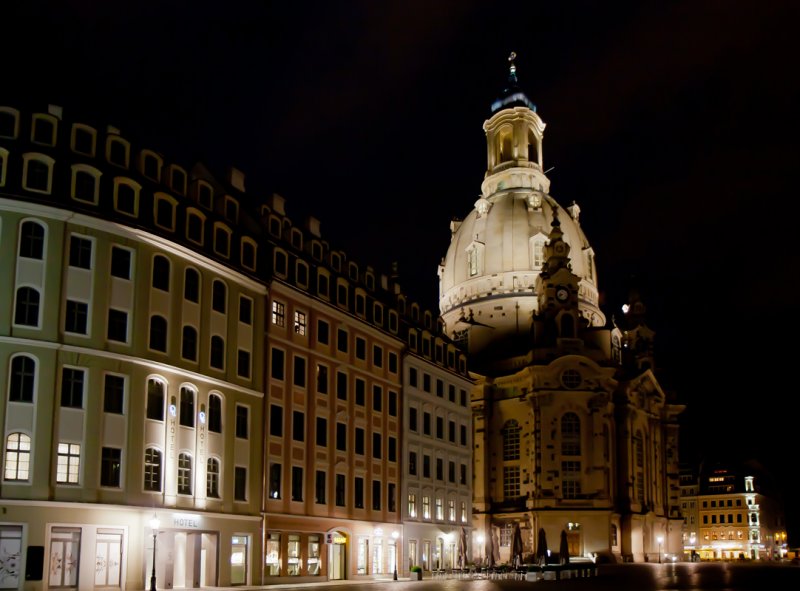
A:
(37, 177)
(117, 150)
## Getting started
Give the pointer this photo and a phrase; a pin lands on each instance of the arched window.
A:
(215, 413)
(638, 446)
(18, 457)
(155, 399)
(217, 352)
(31, 240)
(189, 343)
(504, 144)
(161, 272)
(85, 183)
(191, 285)
(158, 333)
(152, 469)
(126, 196)
(37, 172)
(567, 326)
(187, 407)
(184, 474)
(510, 432)
(212, 478)
(533, 147)
(219, 296)
(570, 435)
(473, 264)
(194, 226)
(222, 240)
(26, 311)
(23, 376)
(248, 254)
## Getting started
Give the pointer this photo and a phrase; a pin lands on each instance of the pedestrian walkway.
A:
(304, 585)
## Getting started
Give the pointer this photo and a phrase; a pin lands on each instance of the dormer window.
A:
(297, 239)
(9, 123)
(301, 274)
(151, 165)
(37, 172)
(194, 226)
(275, 226)
(3, 165)
(370, 281)
(248, 254)
(85, 183)
(231, 209)
(177, 179)
(126, 196)
(83, 140)
(222, 240)
(205, 195)
(316, 250)
(117, 151)
(164, 211)
(44, 129)
(353, 270)
(336, 262)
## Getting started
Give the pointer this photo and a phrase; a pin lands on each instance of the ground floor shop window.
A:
(313, 555)
(412, 553)
(65, 551)
(293, 556)
(361, 559)
(377, 556)
(108, 558)
(10, 556)
(239, 560)
(273, 555)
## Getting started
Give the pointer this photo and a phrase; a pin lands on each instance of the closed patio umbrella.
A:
(541, 547)
(490, 549)
(495, 547)
(516, 546)
(563, 549)
(462, 547)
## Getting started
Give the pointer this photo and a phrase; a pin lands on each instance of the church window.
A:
(533, 147)
(504, 143)
(511, 432)
(537, 253)
(570, 435)
(571, 379)
(511, 487)
(472, 261)
(571, 479)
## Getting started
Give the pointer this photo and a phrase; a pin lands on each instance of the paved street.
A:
(618, 577)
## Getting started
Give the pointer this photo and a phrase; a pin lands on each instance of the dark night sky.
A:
(671, 124)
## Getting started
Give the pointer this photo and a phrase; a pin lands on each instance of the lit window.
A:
(184, 474)
(18, 457)
(412, 505)
(278, 314)
(152, 469)
(69, 461)
(300, 323)
(212, 478)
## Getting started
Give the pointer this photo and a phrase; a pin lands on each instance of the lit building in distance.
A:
(735, 517)
(572, 430)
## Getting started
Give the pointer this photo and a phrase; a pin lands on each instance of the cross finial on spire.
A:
(512, 68)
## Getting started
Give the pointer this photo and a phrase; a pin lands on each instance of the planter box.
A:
(532, 577)
(415, 576)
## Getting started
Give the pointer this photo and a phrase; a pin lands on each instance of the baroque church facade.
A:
(572, 430)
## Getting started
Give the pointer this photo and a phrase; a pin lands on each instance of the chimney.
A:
(276, 202)
(56, 111)
(236, 179)
(312, 225)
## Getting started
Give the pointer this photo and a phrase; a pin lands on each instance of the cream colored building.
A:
(734, 518)
(131, 329)
(572, 430)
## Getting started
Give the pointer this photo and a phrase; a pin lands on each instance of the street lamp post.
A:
(154, 523)
(660, 541)
(395, 535)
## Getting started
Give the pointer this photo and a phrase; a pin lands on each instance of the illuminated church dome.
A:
(488, 279)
